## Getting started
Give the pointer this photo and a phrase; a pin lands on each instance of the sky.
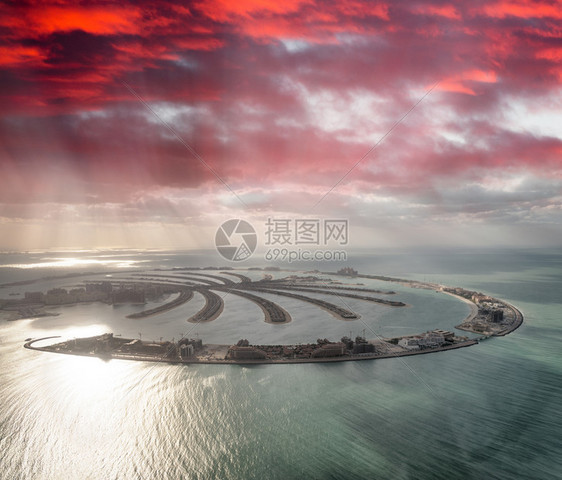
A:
(147, 124)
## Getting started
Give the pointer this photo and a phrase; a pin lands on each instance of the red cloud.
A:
(198, 43)
(355, 8)
(254, 107)
(447, 11)
(523, 9)
(44, 19)
(464, 82)
(225, 10)
(19, 56)
(98, 20)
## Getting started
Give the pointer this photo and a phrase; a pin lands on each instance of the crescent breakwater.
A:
(102, 346)
(488, 317)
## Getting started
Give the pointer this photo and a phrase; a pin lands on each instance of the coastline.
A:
(488, 317)
(473, 307)
(518, 321)
(267, 361)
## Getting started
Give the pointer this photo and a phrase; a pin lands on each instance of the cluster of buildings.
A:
(188, 347)
(95, 292)
(359, 346)
(329, 350)
(492, 314)
(191, 350)
(244, 351)
(350, 272)
(61, 296)
(488, 321)
(108, 344)
(432, 339)
(476, 297)
(323, 348)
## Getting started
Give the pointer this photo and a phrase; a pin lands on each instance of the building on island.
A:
(245, 353)
(410, 343)
(186, 351)
(446, 334)
(362, 346)
(497, 316)
(347, 271)
(433, 339)
(34, 297)
(329, 350)
(480, 297)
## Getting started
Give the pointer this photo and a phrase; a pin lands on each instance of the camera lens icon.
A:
(236, 240)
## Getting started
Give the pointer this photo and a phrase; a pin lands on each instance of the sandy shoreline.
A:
(473, 306)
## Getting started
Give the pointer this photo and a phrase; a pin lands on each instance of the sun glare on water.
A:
(75, 262)
(92, 377)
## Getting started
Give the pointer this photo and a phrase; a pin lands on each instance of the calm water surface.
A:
(490, 411)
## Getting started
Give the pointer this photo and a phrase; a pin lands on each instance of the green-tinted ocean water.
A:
(491, 411)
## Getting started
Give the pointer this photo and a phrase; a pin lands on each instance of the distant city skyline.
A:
(256, 110)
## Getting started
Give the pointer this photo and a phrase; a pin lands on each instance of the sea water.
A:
(491, 411)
